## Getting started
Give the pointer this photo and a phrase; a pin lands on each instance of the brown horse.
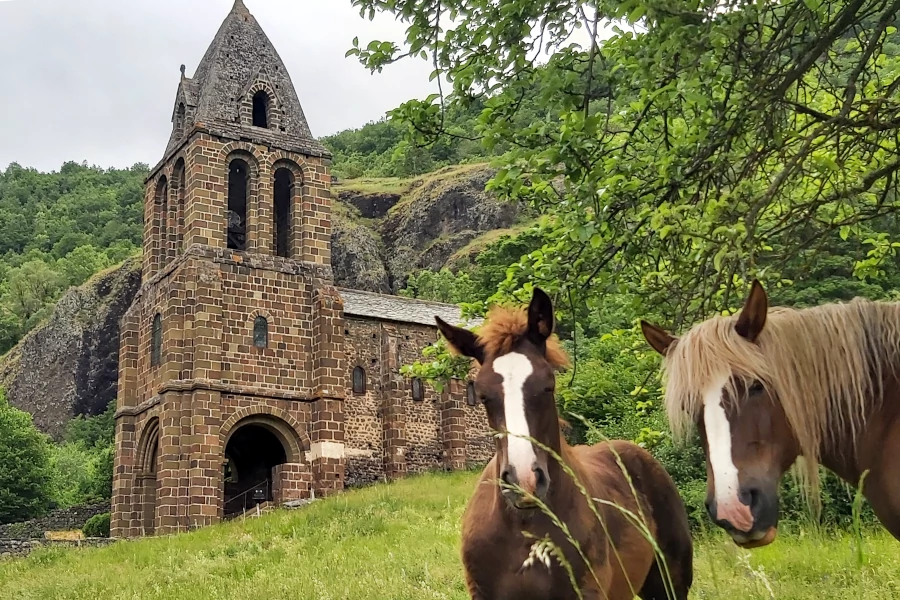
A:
(518, 352)
(767, 386)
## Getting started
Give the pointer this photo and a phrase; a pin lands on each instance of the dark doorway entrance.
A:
(251, 453)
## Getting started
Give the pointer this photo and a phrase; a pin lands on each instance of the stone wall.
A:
(64, 519)
(12, 548)
(388, 431)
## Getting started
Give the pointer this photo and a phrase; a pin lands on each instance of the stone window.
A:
(261, 109)
(162, 217)
(284, 193)
(178, 180)
(238, 191)
(359, 381)
(418, 390)
(261, 332)
(156, 341)
(471, 399)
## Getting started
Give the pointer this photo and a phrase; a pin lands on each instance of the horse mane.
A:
(504, 326)
(825, 364)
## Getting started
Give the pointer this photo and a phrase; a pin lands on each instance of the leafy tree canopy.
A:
(25, 460)
(685, 148)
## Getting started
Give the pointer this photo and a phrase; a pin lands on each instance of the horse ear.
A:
(658, 339)
(462, 341)
(540, 316)
(752, 319)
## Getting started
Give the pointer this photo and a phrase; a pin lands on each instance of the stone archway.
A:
(147, 474)
(263, 453)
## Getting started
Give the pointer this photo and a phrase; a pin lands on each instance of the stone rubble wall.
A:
(14, 548)
(65, 519)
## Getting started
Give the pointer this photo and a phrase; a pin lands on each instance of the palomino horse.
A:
(767, 386)
(518, 353)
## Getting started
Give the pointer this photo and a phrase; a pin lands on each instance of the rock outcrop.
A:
(434, 217)
(69, 365)
(357, 256)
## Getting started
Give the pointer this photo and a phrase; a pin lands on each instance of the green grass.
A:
(374, 185)
(400, 541)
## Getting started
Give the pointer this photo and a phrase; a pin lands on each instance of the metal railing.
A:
(243, 496)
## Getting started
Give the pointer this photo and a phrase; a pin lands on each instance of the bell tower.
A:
(231, 367)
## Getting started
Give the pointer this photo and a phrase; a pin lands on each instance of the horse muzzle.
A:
(524, 491)
(751, 521)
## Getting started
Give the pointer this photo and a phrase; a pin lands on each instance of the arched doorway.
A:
(148, 471)
(254, 448)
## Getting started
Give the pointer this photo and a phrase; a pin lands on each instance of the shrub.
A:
(24, 466)
(97, 526)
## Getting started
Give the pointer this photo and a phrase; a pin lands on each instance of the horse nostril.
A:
(751, 497)
(506, 476)
(542, 482)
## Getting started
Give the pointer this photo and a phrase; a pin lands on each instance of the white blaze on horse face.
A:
(514, 369)
(718, 437)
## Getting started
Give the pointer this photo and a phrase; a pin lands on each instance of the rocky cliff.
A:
(69, 365)
(381, 236)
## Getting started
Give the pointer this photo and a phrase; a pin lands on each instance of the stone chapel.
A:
(245, 375)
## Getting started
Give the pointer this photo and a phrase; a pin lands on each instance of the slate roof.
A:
(240, 54)
(397, 308)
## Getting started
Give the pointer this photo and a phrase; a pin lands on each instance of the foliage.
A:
(82, 466)
(440, 286)
(681, 159)
(97, 526)
(381, 149)
(406, 537)
(93, 431)
(25, 461)
(673, 157)
(57, 230)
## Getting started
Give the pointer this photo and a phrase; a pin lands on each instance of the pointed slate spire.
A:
(238, 54)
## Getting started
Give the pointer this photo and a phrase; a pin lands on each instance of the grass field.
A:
(399, 542)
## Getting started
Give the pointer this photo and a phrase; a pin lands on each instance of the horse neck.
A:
(562, 486)
(848, 454)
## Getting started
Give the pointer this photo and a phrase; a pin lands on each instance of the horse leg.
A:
(474, 592)
(656, 585)
(599, 588)
(678, 553)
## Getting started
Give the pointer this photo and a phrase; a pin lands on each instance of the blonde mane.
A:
(504, 326)
(826, 365)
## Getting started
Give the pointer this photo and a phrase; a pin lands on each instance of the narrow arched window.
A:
(418, 390)
(162, 218)
(471, 400)
(261, 332)
(359, 380)
(178, 224)
(284, 192)
(156, 341)
(261, 109)
(238, 190)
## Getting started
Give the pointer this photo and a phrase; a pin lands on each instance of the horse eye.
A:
(756, 388)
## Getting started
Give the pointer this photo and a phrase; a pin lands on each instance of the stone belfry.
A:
(231, 365)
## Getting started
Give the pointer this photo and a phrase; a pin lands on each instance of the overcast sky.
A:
(95, 80)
